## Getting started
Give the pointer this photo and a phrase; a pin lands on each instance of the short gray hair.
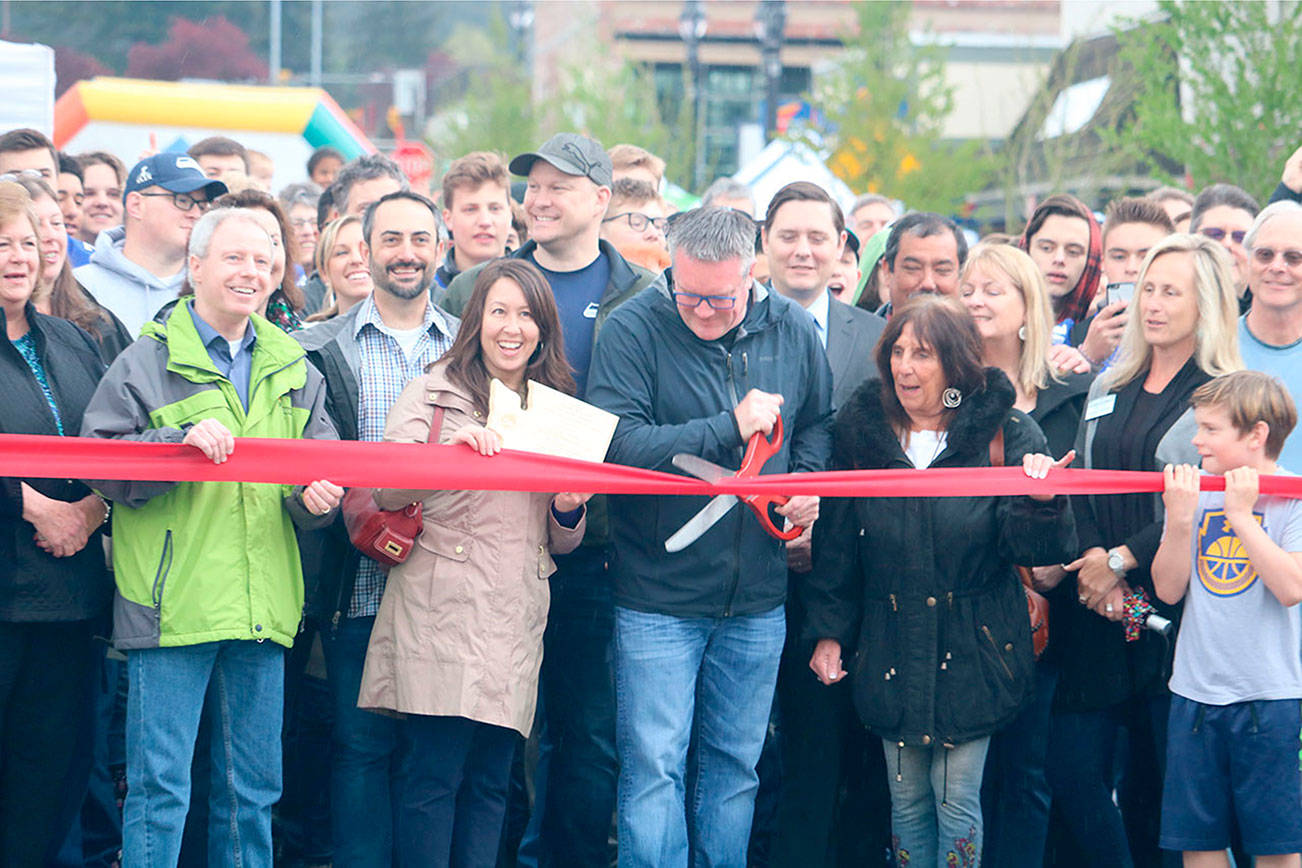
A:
(713, 235)
(727, 188)
(206, 226)
(365, 168)
(300, 193)
(874, 199)
(1270, 212)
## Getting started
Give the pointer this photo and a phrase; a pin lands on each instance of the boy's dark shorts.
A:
(1228, 764)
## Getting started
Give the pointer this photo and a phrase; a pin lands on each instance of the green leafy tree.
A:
(1217, 90)
(884, 104)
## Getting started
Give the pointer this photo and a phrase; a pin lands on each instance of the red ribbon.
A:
(422, 466)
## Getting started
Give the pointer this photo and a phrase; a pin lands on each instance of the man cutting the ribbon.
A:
(700, 368)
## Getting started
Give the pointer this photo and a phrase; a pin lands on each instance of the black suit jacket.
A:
(852, 335)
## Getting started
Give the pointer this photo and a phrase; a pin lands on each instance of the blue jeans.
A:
(936, 803)
(673, 676)
(244, 685)
(363, 777)
(1015, 795)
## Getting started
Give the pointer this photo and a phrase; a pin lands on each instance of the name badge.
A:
(1100, 407)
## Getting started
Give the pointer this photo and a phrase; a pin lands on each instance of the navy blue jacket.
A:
(675, 393)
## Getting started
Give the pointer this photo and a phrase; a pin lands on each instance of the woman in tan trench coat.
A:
(457, 642)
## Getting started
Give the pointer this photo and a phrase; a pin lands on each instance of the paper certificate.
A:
(553, 424)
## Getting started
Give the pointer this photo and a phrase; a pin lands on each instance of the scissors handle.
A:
(758, 451)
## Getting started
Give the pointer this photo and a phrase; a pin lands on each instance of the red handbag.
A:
(1037, 606)
(385, 535)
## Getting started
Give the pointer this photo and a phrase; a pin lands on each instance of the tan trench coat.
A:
(460, 627)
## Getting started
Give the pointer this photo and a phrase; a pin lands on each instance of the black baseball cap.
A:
(573, 154)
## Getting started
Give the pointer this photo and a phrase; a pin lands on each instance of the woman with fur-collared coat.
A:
(924, 588)
(457, 643)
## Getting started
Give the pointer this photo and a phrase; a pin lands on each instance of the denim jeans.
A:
(363, 780)
(576, 792)
(453, 801)
(673, 676)
(1015, 795)
(936, 803)
(243, 682)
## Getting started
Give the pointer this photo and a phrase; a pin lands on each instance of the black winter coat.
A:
(34, 585)
(924, 588)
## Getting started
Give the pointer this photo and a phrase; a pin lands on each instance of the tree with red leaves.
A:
(71, 66)
(213, 49)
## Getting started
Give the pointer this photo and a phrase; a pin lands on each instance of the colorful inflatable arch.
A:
(287, 123)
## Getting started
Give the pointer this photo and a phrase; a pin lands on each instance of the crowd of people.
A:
(224, 673)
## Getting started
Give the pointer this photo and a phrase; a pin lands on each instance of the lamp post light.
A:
(691, 27)
(520, 17)
(770, 26)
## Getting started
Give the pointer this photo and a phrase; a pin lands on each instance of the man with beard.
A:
(367, 356)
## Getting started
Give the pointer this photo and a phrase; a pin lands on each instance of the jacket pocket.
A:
(160, 575)
(879, 669)
(140, 625)
(445, 541)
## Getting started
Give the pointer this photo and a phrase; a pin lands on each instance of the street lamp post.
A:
(770, 25)
(691, 27)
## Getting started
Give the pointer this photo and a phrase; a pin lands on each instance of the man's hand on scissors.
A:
(757, 413)
(801, 510)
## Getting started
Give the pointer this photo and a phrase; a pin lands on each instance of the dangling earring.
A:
(951, 397)
(1021, 333)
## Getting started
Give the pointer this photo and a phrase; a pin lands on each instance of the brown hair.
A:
(943, 324)
(1249, 397)
(627, 191)
(1136, 209)
(220, 146)
(547, 365)
(103, 158)
(473, 171)
(254, 198)
(803, 191)
(519, 222)
(625, 156)
(28, 140)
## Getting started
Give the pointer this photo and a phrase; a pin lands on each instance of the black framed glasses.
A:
(716, 302)
(638, 221)
(1217, 234)
(1266, 255)
(184, 201)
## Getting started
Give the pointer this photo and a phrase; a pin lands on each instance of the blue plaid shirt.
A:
(385, 371)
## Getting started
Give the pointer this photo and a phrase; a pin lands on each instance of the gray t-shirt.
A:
(1237, 643)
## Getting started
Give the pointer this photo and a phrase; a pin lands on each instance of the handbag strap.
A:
(997, 460)
(435, 425)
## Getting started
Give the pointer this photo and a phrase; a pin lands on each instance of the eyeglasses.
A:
(638, 221)
(30, 174)
(303, 222)
(1266, 255)
(184, 201)
(1216, 234)
(692, 300)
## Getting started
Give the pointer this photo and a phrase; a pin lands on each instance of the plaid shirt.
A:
(385, 371)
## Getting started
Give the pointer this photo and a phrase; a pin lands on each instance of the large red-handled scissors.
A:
(758, 451)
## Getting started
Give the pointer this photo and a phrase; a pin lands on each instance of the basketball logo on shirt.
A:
(1223, 565)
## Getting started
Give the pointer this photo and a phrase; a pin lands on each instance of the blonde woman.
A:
(1181, 333)
(1007, 296)
(342, 265)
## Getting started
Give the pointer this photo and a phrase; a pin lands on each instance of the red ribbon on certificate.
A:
(423, 466)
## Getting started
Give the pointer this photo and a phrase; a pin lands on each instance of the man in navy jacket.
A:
(698, 633)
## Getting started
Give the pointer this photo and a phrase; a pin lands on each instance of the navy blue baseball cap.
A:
(175, 173)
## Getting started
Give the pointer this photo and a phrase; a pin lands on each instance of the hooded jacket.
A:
(206, 561)
(675, 393)
(923, 588)
(1077, 304)
(127, 289)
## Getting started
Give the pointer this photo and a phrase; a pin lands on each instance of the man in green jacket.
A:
(207, 572)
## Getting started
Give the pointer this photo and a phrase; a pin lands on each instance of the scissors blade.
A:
(698, 524)
(700, 468)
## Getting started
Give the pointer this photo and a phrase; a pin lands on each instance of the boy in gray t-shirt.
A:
(1235, 558)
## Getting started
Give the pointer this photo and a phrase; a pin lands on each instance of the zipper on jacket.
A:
(736, 572)
(164, 567)
(994, 646)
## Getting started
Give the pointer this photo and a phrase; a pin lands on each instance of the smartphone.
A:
(1120, 292)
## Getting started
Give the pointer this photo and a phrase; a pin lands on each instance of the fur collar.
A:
(863, 439)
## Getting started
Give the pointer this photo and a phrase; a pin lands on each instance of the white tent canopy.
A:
(782, 162)
(27, 81)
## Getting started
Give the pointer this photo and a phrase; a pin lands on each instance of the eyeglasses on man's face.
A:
(183, 201)
(1266, 255)
(1218, 234)
(692, 300)
(638, 221)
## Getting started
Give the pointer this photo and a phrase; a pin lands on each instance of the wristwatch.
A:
(1117, 563)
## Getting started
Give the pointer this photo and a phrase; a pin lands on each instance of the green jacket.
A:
(626, 280)
(206, 561)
